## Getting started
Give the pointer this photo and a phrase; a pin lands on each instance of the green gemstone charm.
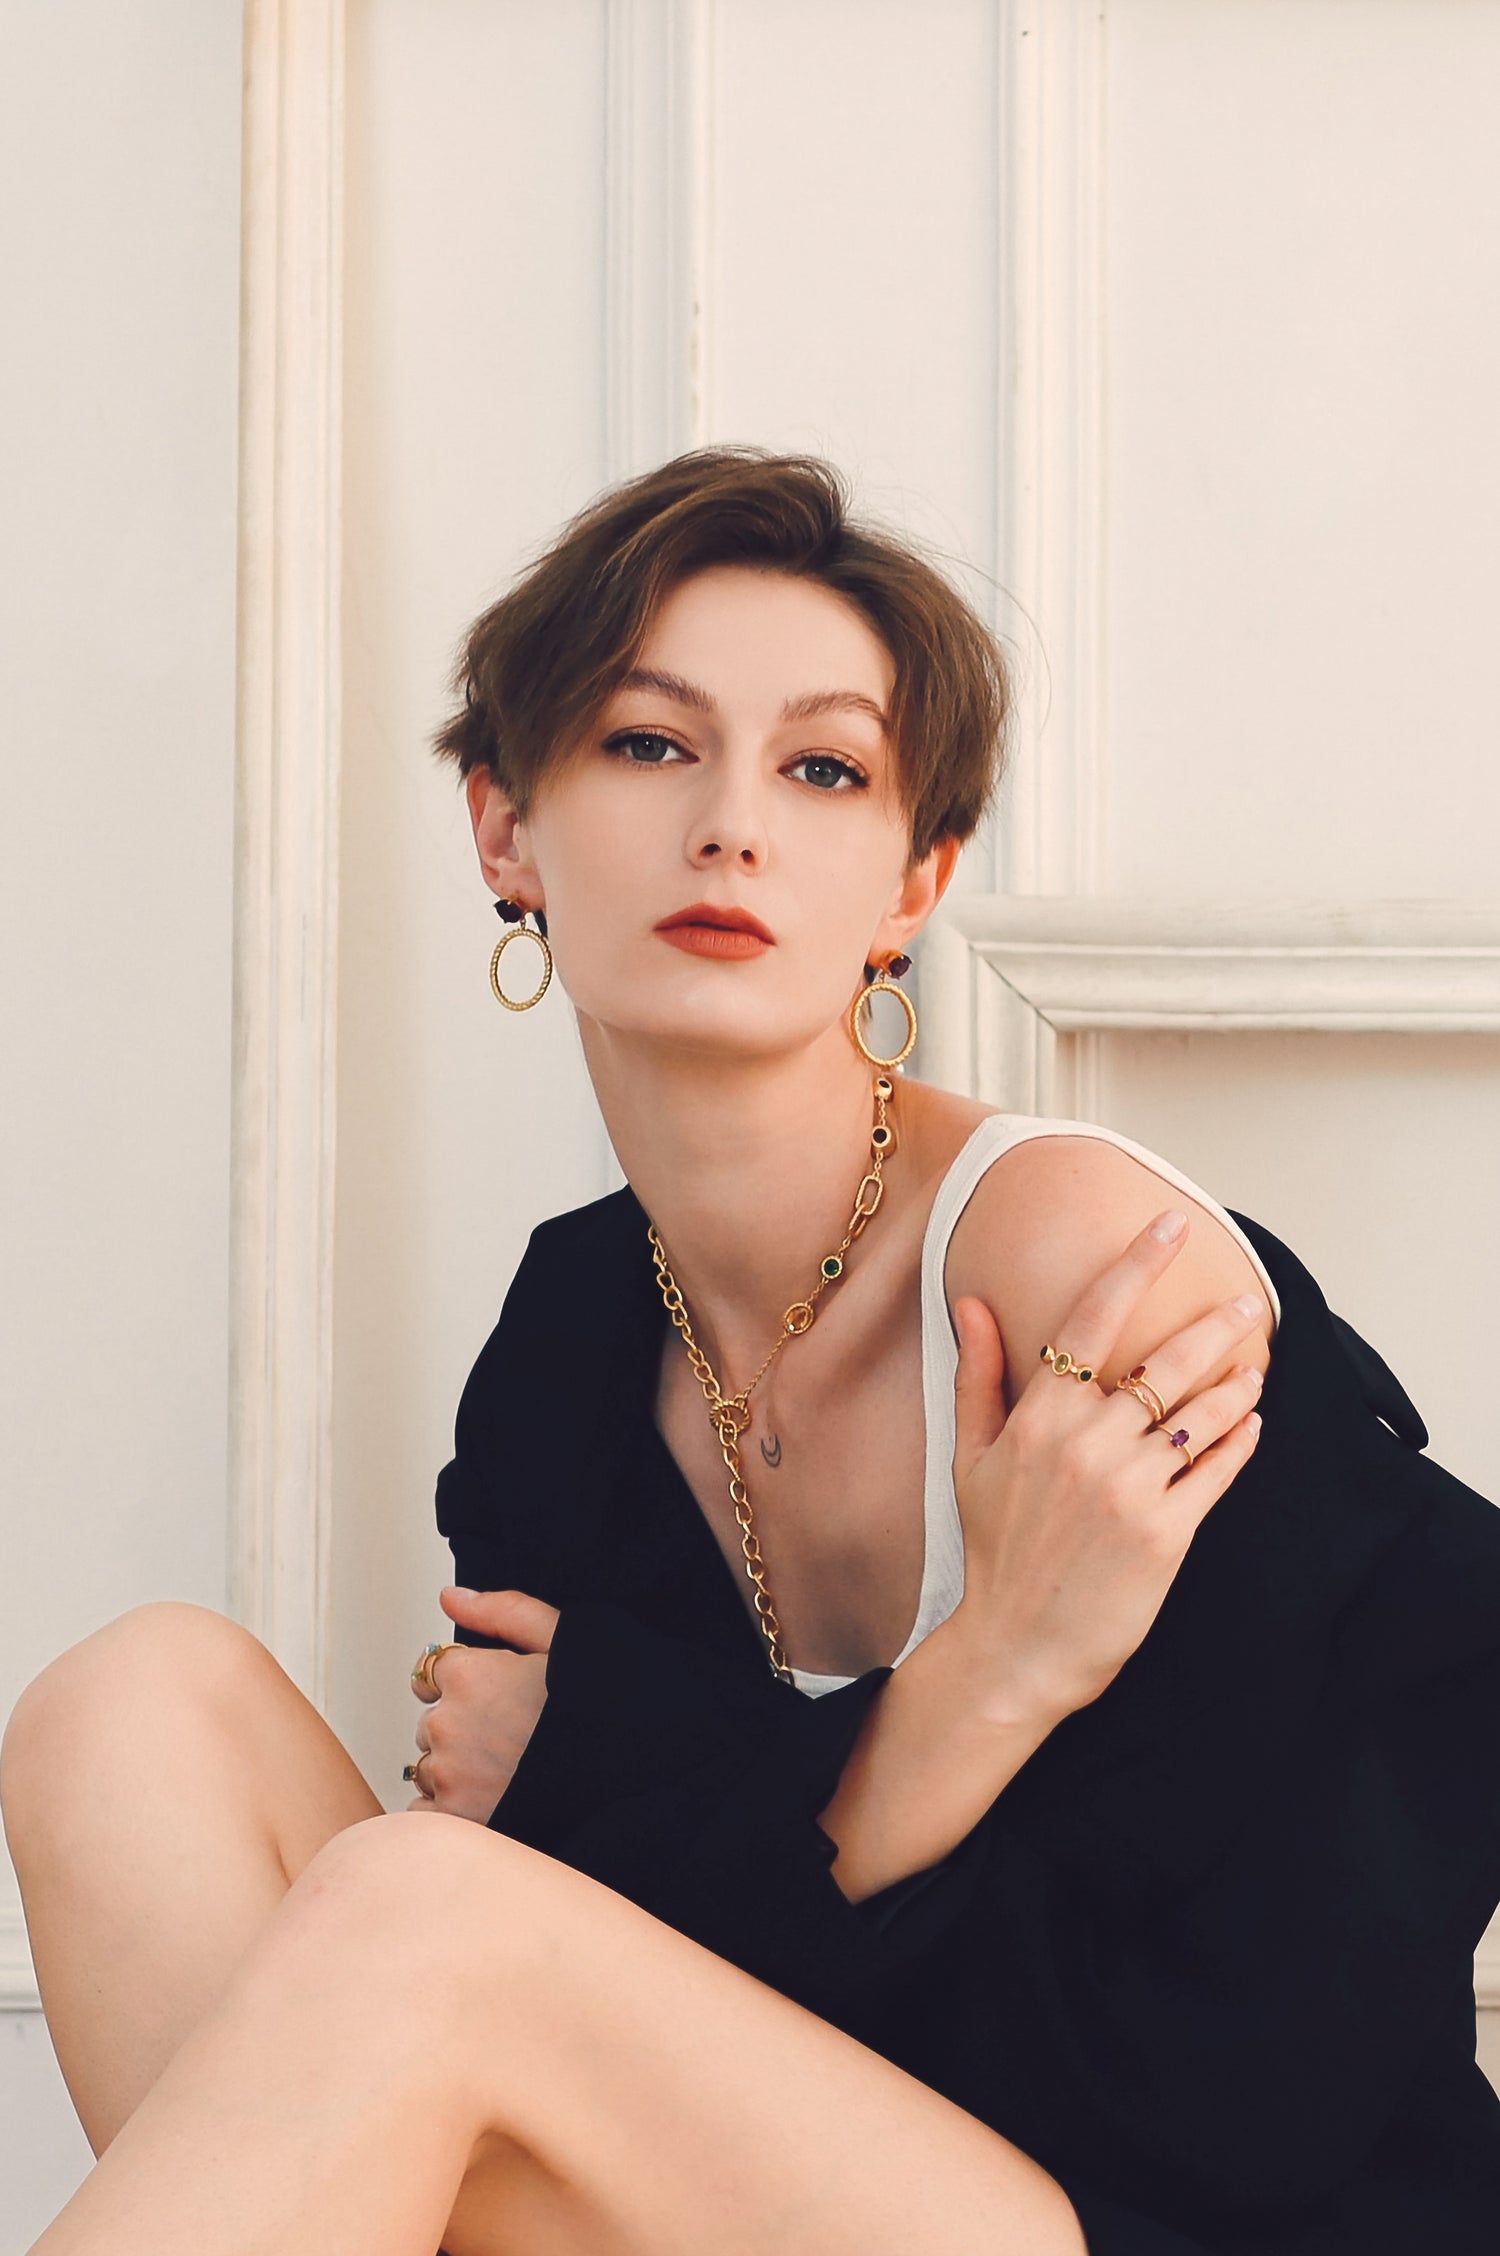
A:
(833, 1267)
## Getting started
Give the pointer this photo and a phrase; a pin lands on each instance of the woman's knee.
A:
(409, 1857)
(440, 1888)
(156, 1662)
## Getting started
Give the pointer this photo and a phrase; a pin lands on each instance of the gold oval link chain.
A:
(730, 1414)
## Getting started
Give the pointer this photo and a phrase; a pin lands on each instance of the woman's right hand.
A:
(1076, 1513)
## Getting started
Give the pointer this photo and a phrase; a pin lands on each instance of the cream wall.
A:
(119, 175)
(1175, 320)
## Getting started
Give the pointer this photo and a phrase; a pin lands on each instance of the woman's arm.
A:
(967, 1709)
(933, 1754)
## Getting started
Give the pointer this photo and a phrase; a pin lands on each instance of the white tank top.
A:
(943, 1564)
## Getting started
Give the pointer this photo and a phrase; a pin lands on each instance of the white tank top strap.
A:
(996, 1134)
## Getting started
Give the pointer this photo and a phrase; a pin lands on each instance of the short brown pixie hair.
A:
(537, 668)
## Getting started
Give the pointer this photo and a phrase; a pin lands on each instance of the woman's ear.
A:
(921, 888)
(509, 871)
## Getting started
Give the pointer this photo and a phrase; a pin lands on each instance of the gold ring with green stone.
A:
(1064, 1365)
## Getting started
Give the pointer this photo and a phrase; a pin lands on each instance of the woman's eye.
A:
(644, 748)
(828, 773)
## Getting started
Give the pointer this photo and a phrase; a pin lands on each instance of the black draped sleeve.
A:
(698, 1798)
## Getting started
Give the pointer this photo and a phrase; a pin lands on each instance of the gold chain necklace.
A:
(730, 1414)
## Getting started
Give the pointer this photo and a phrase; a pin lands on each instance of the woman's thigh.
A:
(654, 2100)
(163, 1782)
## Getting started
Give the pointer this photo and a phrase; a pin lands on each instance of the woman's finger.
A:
(1206, 1418)
(1095, 1321)
(1183, 1358)
(514, 1616)
(1197, 1490)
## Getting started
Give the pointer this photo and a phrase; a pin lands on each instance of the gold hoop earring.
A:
(512, 911)
(883, 982)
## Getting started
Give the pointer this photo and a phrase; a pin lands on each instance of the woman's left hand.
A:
(476, 1725)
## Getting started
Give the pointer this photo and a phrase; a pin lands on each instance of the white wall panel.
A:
(119, 274)
(852, 275)
(1304, 474)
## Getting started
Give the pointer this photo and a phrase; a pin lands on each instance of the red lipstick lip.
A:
(724, 920)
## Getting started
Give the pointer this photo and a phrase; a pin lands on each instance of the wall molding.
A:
(1007, 983)
(286, 832)
(1049, 507)
(658, 220)
(659, 166)
(18, 1990)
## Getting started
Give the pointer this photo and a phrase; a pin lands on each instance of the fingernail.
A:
(1253, 1421)
(1250, 1304)
(1169, 1225)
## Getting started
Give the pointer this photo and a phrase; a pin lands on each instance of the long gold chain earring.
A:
(882, 981)
(514, 914)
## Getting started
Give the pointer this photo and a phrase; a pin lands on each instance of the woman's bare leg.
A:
(431, 1995)
(163, 1782)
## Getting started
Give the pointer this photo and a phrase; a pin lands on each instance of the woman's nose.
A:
(730, 828)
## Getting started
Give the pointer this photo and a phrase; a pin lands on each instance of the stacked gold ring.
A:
(1135, 1382)
(422, 1678)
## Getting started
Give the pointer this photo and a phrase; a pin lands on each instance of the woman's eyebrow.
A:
(820, 701)
(670, 685)
(806, 708)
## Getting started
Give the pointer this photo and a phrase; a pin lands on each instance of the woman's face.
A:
(741, 771)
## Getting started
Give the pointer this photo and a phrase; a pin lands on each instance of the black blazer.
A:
(1208, 1957)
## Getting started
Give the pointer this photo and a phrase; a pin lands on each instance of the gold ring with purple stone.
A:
(1065, 1367)
(1178, 1439)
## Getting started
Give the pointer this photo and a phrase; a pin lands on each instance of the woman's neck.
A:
(747, 1170)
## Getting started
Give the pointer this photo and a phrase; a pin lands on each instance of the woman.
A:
(921, 1805)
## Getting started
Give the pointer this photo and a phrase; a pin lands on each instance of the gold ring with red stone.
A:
(1135, 1382)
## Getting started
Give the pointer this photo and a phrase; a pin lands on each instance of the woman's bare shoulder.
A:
(1061, 1204)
